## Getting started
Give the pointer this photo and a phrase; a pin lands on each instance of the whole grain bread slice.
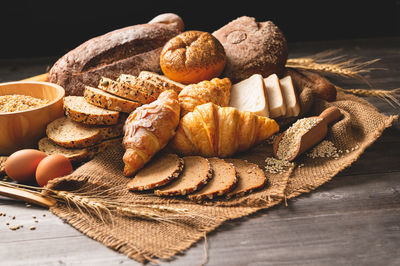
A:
(49, 147)
(148, 87)
(3, 160)
(79, 110)
(125, 90)
(224, 180)
(162, 169)
(70, 134)
(196, 173)
(251, 177)
(163, 81)
(109, 101)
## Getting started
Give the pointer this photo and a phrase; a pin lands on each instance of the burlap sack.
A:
(146, 239)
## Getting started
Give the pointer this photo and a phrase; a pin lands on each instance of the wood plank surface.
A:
(352, 220)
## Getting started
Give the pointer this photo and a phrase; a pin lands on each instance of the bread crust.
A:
(128, 50)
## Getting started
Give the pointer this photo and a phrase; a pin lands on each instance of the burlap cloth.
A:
(143, 239)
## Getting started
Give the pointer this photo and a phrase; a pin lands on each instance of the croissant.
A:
(216, 91)
(211, 130)
(148, 129)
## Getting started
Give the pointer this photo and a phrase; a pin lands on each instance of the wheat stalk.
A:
(92, 204)
(332, 63)
(390, 96)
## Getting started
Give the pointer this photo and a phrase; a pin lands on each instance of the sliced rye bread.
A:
(161, 170)
(125, 90)
(251, 177)
(146, 86)
(70, 134)
(224, 180)
(161, 80)
(196, 173)
(79, 110)
(47, 146)
(3, 160)
(109, 101)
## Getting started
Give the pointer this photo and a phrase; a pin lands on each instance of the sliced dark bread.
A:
(224, 180)
(196, 173)
(251, 177)
(79, 110)
(70, 134)
(109, 101)
(161, 170)
(163, 81)
(125, 90)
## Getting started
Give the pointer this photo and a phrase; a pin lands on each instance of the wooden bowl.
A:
(23, 129)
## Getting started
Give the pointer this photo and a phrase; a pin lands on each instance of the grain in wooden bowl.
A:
(31, 105)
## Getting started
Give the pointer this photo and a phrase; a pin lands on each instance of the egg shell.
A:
(21, 165)
(51, 167)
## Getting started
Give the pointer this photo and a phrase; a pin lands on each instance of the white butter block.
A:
(249, 95)
(291, 100)
(276, 102)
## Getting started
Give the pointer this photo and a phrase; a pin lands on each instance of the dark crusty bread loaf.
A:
(128, 50)
(252, 48)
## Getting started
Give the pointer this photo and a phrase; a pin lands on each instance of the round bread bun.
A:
(252, 48)
(192, 56)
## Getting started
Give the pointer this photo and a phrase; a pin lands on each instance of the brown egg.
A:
(51, 167)
(21, 165)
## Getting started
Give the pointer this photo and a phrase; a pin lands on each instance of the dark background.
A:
(52, 28)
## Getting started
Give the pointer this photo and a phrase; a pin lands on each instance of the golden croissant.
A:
(211, 130)
(148, 129)
(217, 91)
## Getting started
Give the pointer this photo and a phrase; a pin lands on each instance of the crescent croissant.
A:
(211, 130)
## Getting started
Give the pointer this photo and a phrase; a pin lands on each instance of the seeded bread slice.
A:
(109, 101)
(79, 110)
(196, 173)
(75, 155)
(161, 170)
(161, 80)
(251, 177)
(148, 87)
(224, 180)
(70, 134)
(125, 90)
(3, 160)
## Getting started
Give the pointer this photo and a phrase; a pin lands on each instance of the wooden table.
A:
(352, 220)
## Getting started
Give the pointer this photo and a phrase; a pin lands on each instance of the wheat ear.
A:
(390, 96)
(332, 63)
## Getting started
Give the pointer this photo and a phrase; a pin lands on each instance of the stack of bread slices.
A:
(266, 96)
(95, 121)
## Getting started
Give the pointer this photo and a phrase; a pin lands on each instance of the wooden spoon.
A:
(30, 197)
(314, 135)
